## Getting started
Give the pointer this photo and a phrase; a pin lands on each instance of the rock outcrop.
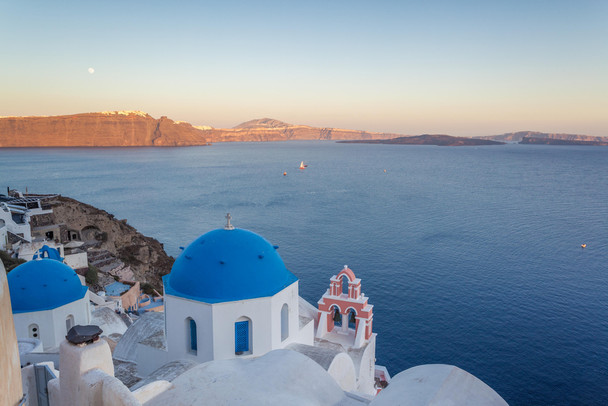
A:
(106, 129)
(100, 231)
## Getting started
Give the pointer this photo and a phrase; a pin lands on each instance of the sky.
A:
(464, 68)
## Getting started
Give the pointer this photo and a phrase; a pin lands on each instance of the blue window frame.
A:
(193, 342)
(241, 337)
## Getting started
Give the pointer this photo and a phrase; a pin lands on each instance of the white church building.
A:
(230, 295)
(48, 299)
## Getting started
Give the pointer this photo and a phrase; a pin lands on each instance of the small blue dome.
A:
(43, 285)
(227, 265)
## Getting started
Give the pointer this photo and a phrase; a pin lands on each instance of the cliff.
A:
(268, 129)
(292, 132)
(101, 231)
(520, 135)
(106, 129)
(431, 139)
(134, 129)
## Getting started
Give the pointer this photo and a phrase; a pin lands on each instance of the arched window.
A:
(34, 331)
(352, 321)
(191, 333)
(336, 316)
(284, 322)
(69, 322)
(242, 336)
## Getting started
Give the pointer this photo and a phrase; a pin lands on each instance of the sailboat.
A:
(302, 166)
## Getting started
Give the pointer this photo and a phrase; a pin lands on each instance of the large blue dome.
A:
(43, 285)
(227, 265)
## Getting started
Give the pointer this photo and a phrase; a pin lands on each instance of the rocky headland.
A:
(431, 139)
(105, 129)
(112, 245)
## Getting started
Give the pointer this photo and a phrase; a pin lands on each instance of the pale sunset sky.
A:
(456, 67)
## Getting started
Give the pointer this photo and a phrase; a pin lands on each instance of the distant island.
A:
(532, 136)
(558, 141)
(431, 139)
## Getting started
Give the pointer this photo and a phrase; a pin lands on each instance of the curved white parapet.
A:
(437, 384)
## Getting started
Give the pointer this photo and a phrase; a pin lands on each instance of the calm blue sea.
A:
(470, 255)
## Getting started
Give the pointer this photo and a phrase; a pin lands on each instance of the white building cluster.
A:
(234, 331)
(23, 241)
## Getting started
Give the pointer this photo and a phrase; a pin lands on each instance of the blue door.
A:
(241, 337)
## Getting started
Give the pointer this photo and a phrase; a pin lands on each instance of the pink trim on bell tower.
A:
(336, 305)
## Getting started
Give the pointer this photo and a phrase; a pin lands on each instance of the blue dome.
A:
(228, 265)
(43, 285)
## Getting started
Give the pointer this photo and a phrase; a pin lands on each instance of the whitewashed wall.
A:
(51, 323)
(77, 261)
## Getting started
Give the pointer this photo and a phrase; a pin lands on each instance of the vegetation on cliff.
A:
(9, 262)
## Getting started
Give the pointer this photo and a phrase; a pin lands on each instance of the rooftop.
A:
(43, 285)
(226, 265)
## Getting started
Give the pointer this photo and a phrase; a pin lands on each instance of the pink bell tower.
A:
(345, 317)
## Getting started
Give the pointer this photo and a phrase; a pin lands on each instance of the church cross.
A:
(228, 226)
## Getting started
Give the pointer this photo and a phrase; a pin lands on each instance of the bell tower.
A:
(344, 314)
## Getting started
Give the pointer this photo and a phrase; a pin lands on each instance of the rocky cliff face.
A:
(133, 128)
(106, 129)
(292, 132)
(98, 228)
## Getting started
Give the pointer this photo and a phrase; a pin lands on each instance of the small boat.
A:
(284, 173)
(583, 245)
(302, 166)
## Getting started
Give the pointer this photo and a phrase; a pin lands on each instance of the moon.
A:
(91, 71)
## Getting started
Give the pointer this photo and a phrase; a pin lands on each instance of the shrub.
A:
(92, 277)
(147, 288)
(9, 262)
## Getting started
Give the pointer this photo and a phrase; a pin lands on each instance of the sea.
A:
(471, 256)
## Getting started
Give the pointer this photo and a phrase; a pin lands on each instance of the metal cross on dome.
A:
(228, 226)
